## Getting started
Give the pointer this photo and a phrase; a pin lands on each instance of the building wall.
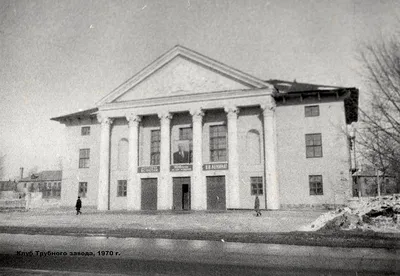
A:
(118, 167)
(251, 154)
(293, 166)
(72, 174)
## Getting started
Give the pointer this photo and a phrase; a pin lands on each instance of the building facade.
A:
(190, 133)
(365, 184)
(46, 182)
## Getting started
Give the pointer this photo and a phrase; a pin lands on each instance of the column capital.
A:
(165, 116)
(104, 120)
(232, 111)
(196, 113)
(133, 119)
(269, 106)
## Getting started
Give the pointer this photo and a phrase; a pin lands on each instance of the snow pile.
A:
(323, 219)
(380, 214)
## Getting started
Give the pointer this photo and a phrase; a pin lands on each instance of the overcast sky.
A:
(58, 57)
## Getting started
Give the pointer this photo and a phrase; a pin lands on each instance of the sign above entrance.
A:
(181, 168)
(215, 166)
(148, 169)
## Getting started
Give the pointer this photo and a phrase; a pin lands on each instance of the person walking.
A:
(257, 206)
(78, 206)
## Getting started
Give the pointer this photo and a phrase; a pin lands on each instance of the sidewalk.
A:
(229, 221)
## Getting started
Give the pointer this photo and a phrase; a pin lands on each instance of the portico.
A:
(200, 167)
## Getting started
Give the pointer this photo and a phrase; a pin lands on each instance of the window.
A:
(256, 185)
(316, 185)
(155, 147)
(121, 188)
(311, 111)
(56, 190)
(84, 155)
(85, 131)
(217, 143)
(82, 189)
(185, 133)
(313, 145)
(45, 188)
(24, 185)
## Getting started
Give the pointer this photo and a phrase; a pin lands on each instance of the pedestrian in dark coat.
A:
(257, 206)
(78, 206)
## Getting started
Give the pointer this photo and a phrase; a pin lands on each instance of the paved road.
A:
(24, 254)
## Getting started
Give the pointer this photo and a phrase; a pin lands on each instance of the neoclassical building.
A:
(190, 133)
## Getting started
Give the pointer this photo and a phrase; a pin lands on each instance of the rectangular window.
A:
(313, 145)
(311, 111)
(256, 185)
(316, 185)
(121, 188)
(45, 188)
(82, 189)
(218, 143)
(85, 131)
(185, 133)
(84, 156)
(155, 147)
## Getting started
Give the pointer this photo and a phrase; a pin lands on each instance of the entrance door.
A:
(181, 193)
(216, 193)
(149, 194)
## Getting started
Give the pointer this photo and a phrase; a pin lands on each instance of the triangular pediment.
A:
(182, 72)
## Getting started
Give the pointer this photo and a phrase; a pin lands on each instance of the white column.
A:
(198, 189)
(270, 160)
(233, 158)
(133, 188)
(104, 166)
(165, 182)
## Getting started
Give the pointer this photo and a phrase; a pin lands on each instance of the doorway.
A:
(181, 193)
(149, 194)
(216, 193)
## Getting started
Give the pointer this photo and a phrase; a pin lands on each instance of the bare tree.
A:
(380, 134)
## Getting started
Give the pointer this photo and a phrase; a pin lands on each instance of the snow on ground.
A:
(379, 214)
(230, 221)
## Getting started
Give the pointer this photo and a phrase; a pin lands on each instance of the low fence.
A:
(12, 204)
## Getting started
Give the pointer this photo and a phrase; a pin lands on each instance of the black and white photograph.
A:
(200, 137)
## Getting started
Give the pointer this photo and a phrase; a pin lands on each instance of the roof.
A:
(81, 114)
(293, 88)
(43, 176)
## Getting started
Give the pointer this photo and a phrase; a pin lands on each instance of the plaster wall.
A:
(251, 154)
(293, 166)
(72, 174)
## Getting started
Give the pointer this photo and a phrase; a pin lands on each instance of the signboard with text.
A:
(148, 169)
(181, 168)
(215, 166)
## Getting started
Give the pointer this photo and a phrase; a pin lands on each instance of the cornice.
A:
(188, 98)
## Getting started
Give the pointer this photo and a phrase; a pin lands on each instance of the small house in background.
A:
(365, 184)
(47, 182)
